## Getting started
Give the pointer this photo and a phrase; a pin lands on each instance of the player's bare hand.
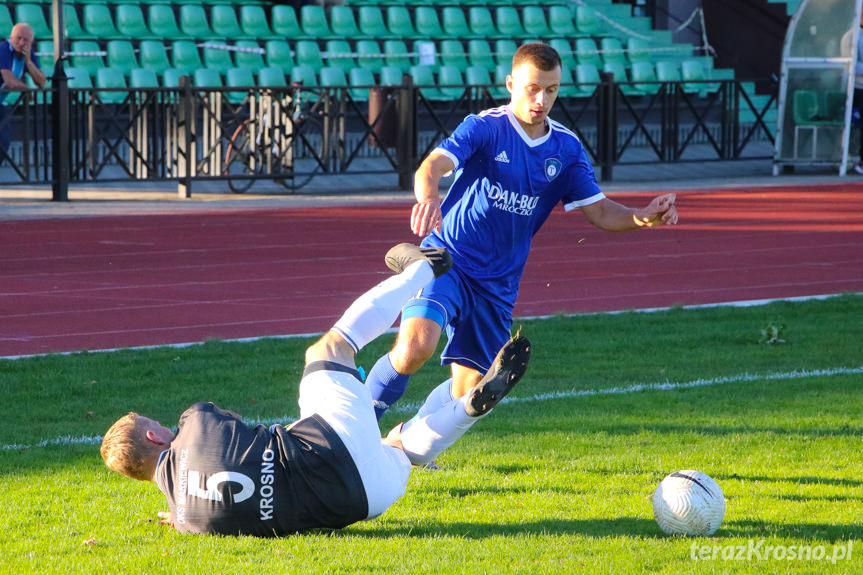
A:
(659, 212)
(165, 518)
(425, 218)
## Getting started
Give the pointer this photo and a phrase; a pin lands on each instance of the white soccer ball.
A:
(688, 503)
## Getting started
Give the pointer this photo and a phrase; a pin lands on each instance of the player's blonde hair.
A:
(124, 448)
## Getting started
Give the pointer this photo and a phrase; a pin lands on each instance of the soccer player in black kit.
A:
(330, 468)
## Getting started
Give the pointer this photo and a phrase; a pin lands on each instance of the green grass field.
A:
(557, 480)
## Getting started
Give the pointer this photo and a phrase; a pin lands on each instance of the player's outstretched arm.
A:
(609, 215)
(426, 214)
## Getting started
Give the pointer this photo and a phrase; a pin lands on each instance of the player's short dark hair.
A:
(541, 55)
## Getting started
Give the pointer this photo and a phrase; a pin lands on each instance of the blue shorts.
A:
(476, 327)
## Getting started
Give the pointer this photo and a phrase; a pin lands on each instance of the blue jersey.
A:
(11, 60)
(506, 186)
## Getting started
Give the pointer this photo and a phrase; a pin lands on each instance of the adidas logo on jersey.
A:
(502, 157)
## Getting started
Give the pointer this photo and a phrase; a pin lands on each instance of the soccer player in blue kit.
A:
(512, 166)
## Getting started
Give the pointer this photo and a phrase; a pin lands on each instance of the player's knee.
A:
(409, 354)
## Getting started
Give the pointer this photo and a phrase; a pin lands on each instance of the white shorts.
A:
(346, 405)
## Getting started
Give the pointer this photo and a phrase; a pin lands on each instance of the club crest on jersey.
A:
(552, 168)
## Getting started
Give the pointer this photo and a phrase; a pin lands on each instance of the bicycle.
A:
(272, 144)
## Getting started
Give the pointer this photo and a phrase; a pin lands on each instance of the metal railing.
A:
(291, 134)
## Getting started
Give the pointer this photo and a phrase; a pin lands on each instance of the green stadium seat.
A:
(72, 24)
(617, 70)
(99, 22)
(587, 22)
(564, 48)
(333, 77)
(343, 23)
(693, 72)
(111, 78)
(452, 54)
(587, 74)
(313, 21)
(143, 78)
(34, 15)
(391, 76)
(339, 54)
(6, 21)
(130, 22)
(396, 54)
(535, 23)
(283, 22)
(79, 78)
(206, 78)
(193, 22)
(239, 77)
(278, 55)
(185, 56)
(163, 23)
(451, 81)
(424, 79)
(373, 59)
(171, 78)
(399, 22)
(612, 51)
(426, 22)
(481, 23)
(479, 53)
(273, 76)
(46, 59)
(371, 23)
(253, 21)
(568, 89)
(304, 75)
(88, 63)
(638, 50)
(361, 80)
(454, 23)
(508, 22)
(668, 71)
(501, 71)
(477, 76)
(644, 72)
(218, 60)
(224, 22)
(560, 21)
(504, 51)
(152, 55)
(248, 59)
(309, 54)
(121, 56)
(586, 52)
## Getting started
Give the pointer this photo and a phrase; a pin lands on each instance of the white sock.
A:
(439, 396)
(375, 311)
(425, 437)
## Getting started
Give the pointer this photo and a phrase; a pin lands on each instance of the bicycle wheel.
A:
(309, 150)
(240, 160)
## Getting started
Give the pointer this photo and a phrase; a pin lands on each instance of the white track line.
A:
(663, 386)
(742, 303)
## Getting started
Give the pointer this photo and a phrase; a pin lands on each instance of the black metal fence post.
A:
(406, 146)
(187, 155)
(60, 143)
(606, 129)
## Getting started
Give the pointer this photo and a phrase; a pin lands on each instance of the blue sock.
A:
(386, 385)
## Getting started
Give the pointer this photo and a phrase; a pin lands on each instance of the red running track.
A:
(124, 281)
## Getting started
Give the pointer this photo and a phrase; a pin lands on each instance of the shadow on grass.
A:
(612, 527)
